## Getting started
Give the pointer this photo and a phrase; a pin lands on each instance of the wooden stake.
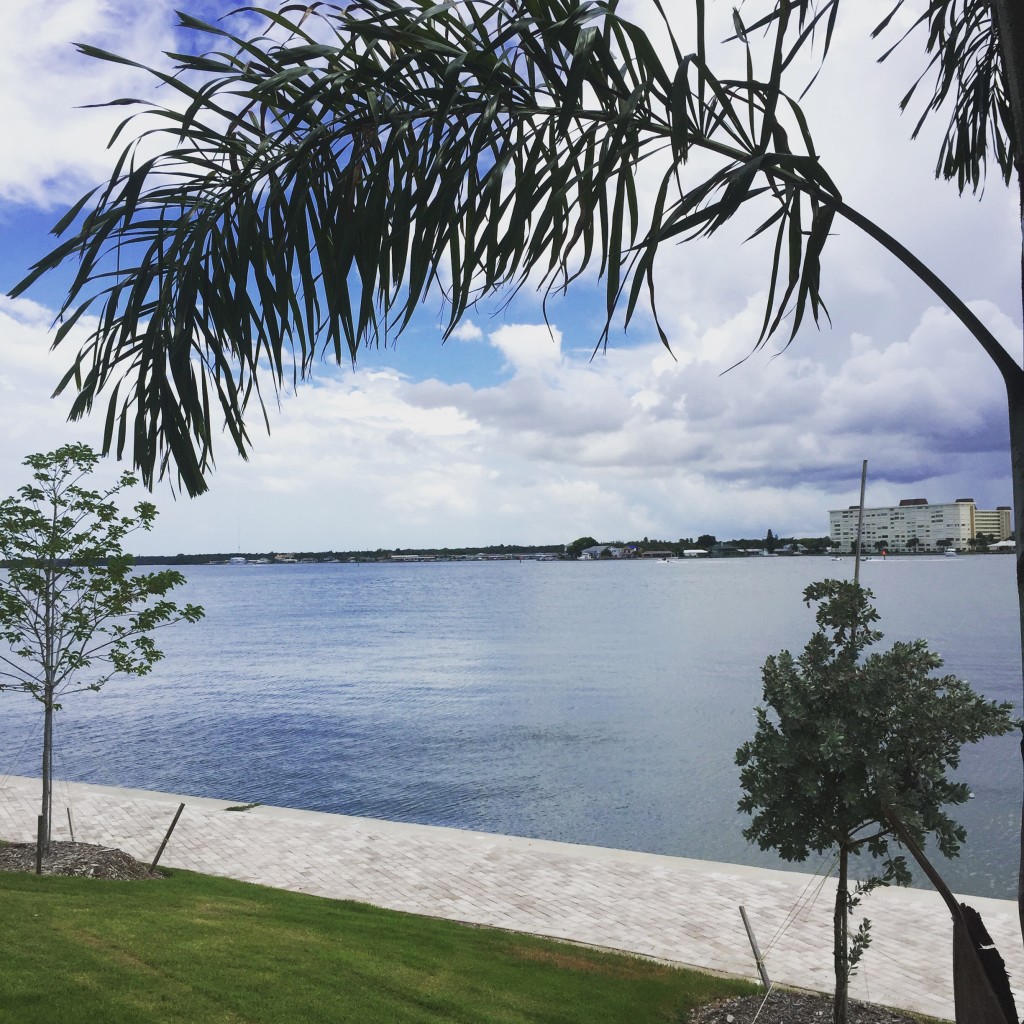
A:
(757, 952)
(159, 853)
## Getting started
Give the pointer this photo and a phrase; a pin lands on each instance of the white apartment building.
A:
(897, 526)
(993, 522)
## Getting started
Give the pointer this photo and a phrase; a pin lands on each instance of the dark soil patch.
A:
(793, 1008)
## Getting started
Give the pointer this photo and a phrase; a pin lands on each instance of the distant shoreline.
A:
(420, 557)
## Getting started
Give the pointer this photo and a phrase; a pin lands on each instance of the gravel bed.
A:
(785, 1007)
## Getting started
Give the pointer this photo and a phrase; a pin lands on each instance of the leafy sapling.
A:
(845, 741)
(73, 610)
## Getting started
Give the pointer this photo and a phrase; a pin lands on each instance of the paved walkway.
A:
(686, 911)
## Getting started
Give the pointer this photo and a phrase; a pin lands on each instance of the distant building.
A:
(598, 551)
(993, 522)
(1004, 547)
(914, 525)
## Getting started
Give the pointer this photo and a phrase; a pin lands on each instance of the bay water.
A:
(598, 703)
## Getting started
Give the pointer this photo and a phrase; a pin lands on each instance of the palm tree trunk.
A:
(1015, 404)
(840, 947)
(1008, 17)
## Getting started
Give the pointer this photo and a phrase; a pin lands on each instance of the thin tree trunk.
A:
(47, 767)
(840, 948)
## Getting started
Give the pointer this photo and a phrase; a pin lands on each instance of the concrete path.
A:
(686, 911)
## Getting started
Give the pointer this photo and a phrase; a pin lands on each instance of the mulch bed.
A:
(785, 1007)
(86, 860)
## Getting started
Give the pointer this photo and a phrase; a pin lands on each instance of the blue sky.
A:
(512, 433)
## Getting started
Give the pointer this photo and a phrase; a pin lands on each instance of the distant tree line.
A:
(706, 542)
(703, 542)
(377, 555)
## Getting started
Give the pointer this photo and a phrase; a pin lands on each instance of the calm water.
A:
(588, 702)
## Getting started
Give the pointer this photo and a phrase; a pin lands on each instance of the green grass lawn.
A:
(198, 949)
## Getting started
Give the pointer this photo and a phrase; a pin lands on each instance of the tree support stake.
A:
(758, 959)
(160, 852)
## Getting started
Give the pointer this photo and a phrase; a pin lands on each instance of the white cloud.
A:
(55, 148)
(467, 331)
(630, 443)
(30, 420)
(529, 349)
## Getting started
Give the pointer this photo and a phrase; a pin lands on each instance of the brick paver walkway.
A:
(686, 911)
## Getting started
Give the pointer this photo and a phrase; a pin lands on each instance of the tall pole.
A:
(860, 523)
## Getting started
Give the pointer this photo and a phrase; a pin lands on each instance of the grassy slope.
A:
(199, 949)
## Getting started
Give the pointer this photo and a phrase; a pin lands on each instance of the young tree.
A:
(73, 612)
(844, 742)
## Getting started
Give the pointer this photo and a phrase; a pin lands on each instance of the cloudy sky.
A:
(511, 432)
